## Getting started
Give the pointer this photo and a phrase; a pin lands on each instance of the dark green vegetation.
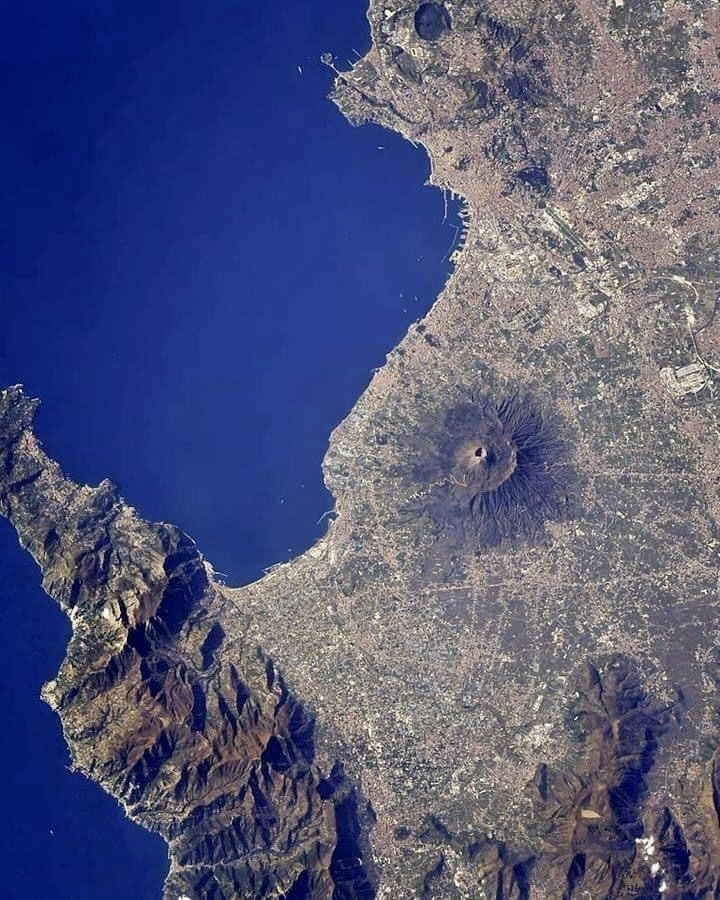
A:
(431, 20)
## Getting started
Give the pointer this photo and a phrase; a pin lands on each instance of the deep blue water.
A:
(202, 262)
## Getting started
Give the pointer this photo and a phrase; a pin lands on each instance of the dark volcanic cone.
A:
(501, 469)
(432, 20)
(485, 463)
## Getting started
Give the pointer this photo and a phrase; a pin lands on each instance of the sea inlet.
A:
(202, 265)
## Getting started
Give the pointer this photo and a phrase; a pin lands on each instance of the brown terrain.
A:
(498, 674)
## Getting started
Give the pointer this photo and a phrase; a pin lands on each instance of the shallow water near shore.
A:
(205, 264)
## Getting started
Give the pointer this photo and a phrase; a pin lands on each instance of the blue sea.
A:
(202, 263)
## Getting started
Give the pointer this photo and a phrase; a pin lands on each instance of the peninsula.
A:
(498, 673)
